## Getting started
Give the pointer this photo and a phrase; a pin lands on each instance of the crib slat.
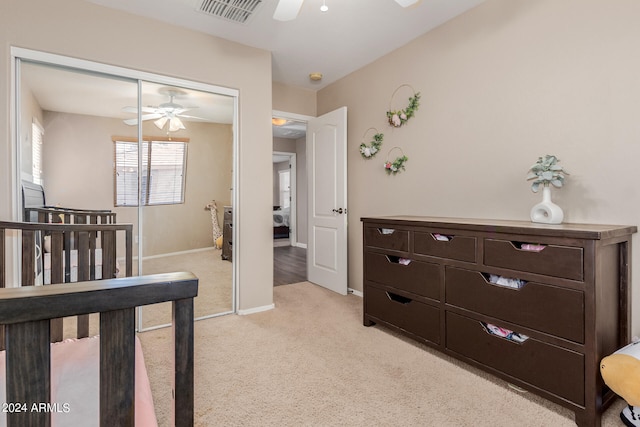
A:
(2, 259)
(28, 257)
(57, 276)
(108, 254)
(129, 252)
(183, 335)
(28, 371)
(83, 275)
(117, 367)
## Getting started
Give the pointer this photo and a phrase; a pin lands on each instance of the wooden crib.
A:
(35, 209)
(31, 318)
(26, 243)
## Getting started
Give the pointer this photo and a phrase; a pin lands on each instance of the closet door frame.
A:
(44, 58)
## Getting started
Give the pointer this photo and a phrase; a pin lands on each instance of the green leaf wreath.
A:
(396, 166)
(369, 151)
(399, 117)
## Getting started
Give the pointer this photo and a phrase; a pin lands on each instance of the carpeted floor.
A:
(310, 362)
(215, 286)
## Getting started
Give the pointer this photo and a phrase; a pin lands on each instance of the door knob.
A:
(337, 210)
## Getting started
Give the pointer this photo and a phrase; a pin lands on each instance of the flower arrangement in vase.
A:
(546, 172)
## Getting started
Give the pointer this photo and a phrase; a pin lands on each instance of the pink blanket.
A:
(75, 385)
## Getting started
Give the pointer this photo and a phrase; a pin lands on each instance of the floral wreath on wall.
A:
(397, 118)
(397, 165)
(369, 151)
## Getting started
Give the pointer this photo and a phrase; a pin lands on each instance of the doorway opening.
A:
(289, 198)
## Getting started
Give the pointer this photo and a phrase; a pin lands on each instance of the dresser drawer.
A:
(551, 368)
(386, 238)
(462, 248)
(551, 260)
(551, 309)
(417, 277)
(410, 315)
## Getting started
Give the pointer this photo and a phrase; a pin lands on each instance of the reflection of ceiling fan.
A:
(287, 10)
(168, 112)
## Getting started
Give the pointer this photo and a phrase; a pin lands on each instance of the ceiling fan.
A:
(168, 112)
(287, 10)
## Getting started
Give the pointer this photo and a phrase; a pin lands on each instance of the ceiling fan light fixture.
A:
(161, 122)
(175, 124)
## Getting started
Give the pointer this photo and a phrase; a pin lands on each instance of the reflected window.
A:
(163, 172)
(37, 136)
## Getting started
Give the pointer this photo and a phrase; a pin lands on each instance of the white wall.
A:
(501, 85)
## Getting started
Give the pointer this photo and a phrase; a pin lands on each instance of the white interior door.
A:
(327, 197)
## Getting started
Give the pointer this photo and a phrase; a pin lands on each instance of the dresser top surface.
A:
(585, 231)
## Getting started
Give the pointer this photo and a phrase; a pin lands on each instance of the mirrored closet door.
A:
(159, 154)
(187, 180)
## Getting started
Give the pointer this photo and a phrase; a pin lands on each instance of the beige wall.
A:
(504, 83)
(78, 150)
(292, 99)
(83, 30)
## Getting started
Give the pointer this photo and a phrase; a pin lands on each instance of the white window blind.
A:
(37, 136)
(162, 177)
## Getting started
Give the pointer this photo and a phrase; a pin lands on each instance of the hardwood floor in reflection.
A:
(289, 265)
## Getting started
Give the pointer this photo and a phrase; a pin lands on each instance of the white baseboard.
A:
(190, 251)
(355, 292)
(256, 309)
(301, 245)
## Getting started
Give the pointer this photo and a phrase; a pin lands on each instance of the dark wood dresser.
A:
(536, 305)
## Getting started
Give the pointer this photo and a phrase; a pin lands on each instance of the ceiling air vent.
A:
(230, 10)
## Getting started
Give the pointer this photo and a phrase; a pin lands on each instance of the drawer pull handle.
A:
(528, 247)
(503, 333)
(398, 298)
(386, 231)
(397, 260)
(441, 237)
(506, 282)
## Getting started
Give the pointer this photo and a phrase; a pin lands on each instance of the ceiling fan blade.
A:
(186, 116)
(407, 3)
(132, 122)
(135, 109)
(151, 116)
(287, 10)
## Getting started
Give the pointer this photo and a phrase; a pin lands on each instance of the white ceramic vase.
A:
(547, 212)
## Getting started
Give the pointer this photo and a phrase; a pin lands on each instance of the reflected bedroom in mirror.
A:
(163, 163)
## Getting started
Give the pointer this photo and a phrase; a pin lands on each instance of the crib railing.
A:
(53, 214)
(75, 252)
(26, 312)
